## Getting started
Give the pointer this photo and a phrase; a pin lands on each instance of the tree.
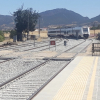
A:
(98, 36)
(12, 33)
(25, 20)
(1, 36)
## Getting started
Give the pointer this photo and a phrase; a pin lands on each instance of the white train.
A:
(76, 31)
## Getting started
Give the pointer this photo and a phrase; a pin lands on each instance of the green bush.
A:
(1, 33)
(12, 33)
(1, 36)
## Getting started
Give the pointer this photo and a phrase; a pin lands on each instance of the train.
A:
(83, 32)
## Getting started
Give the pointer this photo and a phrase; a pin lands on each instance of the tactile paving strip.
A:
(73, 88)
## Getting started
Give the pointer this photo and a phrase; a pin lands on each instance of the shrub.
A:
(12, 33)
(1, 36)
(98, 36)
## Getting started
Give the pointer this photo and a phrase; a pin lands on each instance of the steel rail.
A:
(28, 50)
(8, 81)
(20, 75)
(34, 94)
(22, 45)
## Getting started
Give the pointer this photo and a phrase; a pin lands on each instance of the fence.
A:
(95, 49)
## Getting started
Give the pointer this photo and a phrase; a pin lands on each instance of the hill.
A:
(6, 22)
(61, 17)
(97, 18)
(51, 17)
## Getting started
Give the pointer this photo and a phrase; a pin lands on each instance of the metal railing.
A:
(95, 49)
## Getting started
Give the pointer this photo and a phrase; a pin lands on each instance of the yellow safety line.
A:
(90, 92)
(73, 88)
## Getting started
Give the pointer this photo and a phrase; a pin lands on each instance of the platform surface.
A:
(80, 80)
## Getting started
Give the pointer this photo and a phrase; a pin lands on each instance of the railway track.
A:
(81, 48)
(19, 54)
(45, 46)
(13, 66)
(35, 93)
(27, 48)
(8, 57)
(25, 44)
(15, 61)
(33, 80)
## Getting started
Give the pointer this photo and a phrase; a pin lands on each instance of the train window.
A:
(69, 31)
(73, 31)
(85, 29)
(77, 31)
(52, 32)
(64, 32)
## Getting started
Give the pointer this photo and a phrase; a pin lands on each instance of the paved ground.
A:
(78, 81)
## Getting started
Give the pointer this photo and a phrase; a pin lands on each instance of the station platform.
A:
(80, 80)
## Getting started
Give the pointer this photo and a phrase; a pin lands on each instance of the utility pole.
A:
(28, 26)
(60, 31)
(72, 27)
(94, 28)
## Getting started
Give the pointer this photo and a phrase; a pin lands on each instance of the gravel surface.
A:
(15, 67)
(22, 88)
(80, 47)
(26, 45)
(71, 43)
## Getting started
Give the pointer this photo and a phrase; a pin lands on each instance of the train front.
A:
(86, 32)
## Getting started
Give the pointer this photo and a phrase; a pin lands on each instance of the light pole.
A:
(60, 31)
(28, 26)
(94, 28)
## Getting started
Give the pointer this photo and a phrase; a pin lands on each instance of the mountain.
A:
(6, 22)
(61, 17)
(58, 17)
(97, 18)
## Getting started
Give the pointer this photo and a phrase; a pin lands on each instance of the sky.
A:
(86, 8)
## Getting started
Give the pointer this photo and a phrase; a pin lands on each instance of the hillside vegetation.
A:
(51, 17)
(1, 36)
(61, 17)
